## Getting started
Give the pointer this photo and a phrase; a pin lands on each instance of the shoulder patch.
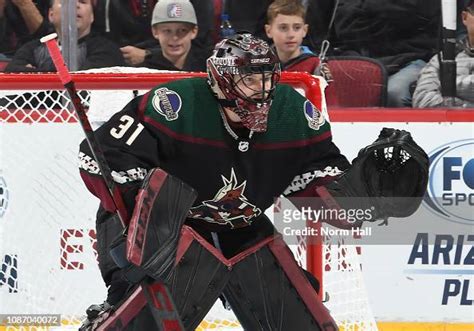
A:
(313, 116)
(167, 103)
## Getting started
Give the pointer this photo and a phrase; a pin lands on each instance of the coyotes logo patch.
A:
(229, 206)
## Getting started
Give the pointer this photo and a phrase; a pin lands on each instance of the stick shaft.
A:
(97, 152)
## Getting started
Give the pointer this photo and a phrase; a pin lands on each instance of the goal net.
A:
(47, 218)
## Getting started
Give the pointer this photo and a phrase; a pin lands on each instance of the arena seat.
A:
(3, 64)
(358, 82)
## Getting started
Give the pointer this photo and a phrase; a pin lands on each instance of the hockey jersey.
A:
(179, 127)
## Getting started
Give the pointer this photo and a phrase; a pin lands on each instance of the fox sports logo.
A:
(3, 196)
(450, 191)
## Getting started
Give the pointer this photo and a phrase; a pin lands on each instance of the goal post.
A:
(47, 217)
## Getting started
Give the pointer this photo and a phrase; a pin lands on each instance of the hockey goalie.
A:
(238, 139)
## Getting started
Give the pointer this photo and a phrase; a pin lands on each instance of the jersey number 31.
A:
(125, 124)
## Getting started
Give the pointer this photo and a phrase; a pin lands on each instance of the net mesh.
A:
(47, 237)
(38, 106)
(346, 296)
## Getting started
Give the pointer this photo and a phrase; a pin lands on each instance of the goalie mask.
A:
(243, 72)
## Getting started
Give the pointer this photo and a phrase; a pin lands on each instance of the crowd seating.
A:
(3, 64)
(358, 82)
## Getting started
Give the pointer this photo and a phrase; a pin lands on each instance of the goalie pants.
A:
(108, 227)
(262, 282)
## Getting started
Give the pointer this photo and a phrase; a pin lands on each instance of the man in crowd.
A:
(428, 88)
(94, 51)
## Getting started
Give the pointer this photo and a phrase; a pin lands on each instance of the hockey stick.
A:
(155, 293)
(66, 79)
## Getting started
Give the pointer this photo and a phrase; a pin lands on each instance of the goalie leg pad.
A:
(160, 211)
(196, 281)
(268, 291)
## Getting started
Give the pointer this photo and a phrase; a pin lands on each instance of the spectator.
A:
(94, 51)
(460, 27)
(428, 89)
(287, 28)
(400, 34)
(127, 22)
(20, 22)
(175, 29)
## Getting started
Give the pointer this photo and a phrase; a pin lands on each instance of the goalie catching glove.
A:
(389, 175)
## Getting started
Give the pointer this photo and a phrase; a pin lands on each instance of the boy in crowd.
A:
(174, 25)
(287, 28)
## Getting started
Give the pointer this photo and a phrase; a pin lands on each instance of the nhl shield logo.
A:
(167, 103)
(243, 146)
(313, 116)
(174, 10)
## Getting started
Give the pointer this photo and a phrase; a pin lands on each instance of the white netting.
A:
(48, 262)
(345, 289)
(37, 106)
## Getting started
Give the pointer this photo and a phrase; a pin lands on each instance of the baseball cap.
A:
(167, 11)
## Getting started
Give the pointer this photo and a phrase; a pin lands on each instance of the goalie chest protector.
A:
(236, 179)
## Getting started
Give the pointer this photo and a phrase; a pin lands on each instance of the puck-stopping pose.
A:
(239, 139)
